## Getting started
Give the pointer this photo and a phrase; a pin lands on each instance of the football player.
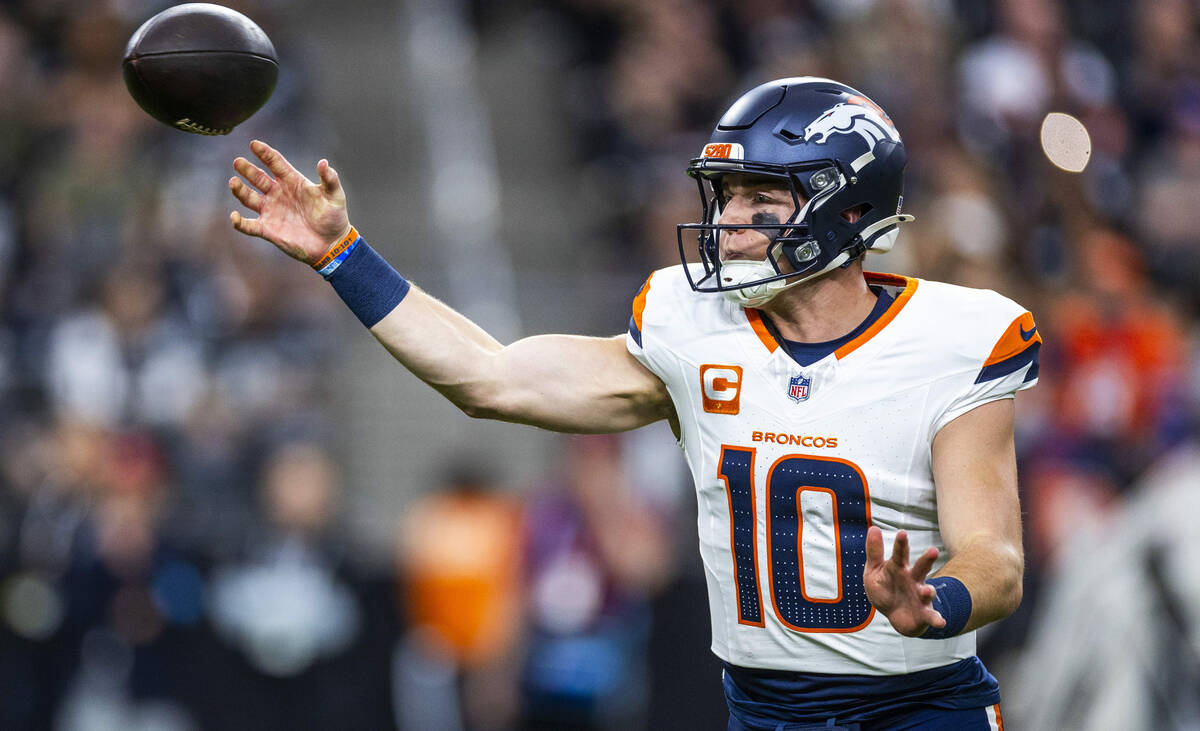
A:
(825, 412)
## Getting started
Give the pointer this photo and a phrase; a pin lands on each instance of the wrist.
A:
(953, 602)
(328, 262)
(369, 286)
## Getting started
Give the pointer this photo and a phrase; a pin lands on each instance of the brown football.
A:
(200, 67)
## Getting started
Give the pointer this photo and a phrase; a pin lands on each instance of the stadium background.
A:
(223, 506)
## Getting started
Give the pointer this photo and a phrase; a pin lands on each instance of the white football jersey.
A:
(791, 464)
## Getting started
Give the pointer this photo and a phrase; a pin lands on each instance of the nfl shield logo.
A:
(798, 388)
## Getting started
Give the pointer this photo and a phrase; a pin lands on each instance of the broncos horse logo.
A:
(857, 116)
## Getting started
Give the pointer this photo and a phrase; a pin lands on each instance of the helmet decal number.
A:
(724, 150)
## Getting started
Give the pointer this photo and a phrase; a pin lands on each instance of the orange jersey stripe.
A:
(910, 286)
(1021, 334)
(760, 329)
(639, 303)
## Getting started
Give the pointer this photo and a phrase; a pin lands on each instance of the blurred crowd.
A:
(166, 486)
(171, 549)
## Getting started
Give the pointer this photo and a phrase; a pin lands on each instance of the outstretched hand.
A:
(898, 590)
(299, 216)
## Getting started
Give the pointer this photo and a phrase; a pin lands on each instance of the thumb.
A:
(329, 178)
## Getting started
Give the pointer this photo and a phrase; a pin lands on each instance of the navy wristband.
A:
(368, 285)
(953, 602)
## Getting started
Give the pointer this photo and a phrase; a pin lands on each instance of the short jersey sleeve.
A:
(1011, 366)
(654, 320)
(637, 321)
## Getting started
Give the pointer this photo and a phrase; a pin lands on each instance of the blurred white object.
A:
(1066, 142)
(286, 613)
(87, 376)
(1002, 78)
(987, 231)
(1117, 638)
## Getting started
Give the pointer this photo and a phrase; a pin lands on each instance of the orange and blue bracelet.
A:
(365, 281)
(337, 253)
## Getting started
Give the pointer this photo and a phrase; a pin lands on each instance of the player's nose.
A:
(737, 244)
(734, 213)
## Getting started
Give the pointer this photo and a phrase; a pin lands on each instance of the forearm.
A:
(440, 346)
(992, 571)
(454, 321)
(979, 511)
(559, 382)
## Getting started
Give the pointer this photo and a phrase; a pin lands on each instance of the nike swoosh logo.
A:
(1027, 334)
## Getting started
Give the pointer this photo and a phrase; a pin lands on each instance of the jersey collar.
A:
(908, 285)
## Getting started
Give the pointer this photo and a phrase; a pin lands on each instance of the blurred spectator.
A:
(1116, 392)
(134, 601)
(595, 555)
(284, 607)
(1168, 181)
(460, 568)
(297, 615)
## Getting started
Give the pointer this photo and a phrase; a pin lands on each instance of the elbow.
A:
(477, 410)
(1013, 587)
(1012, 599)
(479, 402)
(1017, 592)
(480, 393)
(471, 404)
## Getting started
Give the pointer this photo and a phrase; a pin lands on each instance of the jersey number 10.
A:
(788, 479)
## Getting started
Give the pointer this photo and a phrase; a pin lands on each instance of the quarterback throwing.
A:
(827, 414)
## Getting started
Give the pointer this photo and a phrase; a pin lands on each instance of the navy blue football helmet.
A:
(836, 150)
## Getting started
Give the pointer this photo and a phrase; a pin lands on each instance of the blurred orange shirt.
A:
(1117, 362)
(461, 556)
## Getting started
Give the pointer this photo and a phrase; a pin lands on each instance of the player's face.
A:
(752, 199)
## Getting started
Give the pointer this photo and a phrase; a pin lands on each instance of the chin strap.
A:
(759, 294)
(885, 239)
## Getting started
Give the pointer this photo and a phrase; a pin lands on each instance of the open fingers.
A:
(274, 161)
(935, 617)
(924, 564)
(253, 173)
(900, 550)
(874, 547)
(248, 197)
(248, 226)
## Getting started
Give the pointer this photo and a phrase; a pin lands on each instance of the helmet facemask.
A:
(793, 255)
